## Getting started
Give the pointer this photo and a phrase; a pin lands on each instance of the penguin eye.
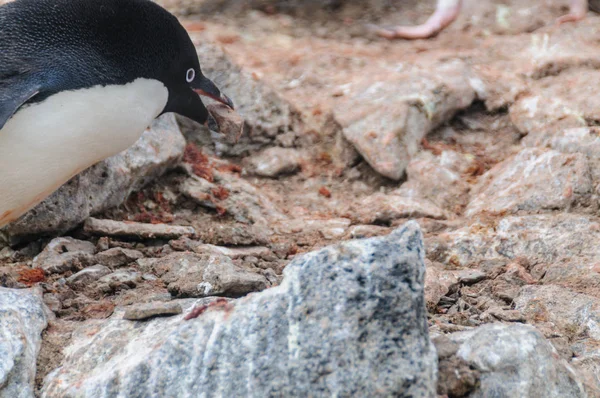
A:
(190, 75)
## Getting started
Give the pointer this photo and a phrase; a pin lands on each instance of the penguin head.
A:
(50, 46)
(186, 83)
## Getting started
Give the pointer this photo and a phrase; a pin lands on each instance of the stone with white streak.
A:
(200, 275)
(22, 320)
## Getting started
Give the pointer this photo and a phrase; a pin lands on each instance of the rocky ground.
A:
(486, 136)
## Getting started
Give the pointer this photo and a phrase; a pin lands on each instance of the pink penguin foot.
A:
(577, 12)
(446, 12)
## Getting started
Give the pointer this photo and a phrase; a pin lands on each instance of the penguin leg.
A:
(577, 11)
(445, 13)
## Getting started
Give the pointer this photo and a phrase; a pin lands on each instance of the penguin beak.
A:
(207, 88)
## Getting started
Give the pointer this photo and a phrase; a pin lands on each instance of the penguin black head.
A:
(50, 46)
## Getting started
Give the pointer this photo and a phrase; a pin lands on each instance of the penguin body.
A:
(53, 140)
(80, 80)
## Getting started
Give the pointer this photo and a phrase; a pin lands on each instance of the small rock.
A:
(367, 231)
(284, 249)
(6, 253)
(275, 161)
(437, 283)
(251, 260)
(335, 228)
(470, 276)
(194, 275)
(88, 275)
(383, 209)
(506, 315)
(65, 254)
(456, 378)
(227, 122)
(52, 302)
(234, 252)
(122, 279)
(118, 257)
(135, 230)
(439, 179)
(444, 346)
(138, 312)
(329, 227)
(234, 235)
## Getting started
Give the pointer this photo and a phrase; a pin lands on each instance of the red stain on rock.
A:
(30, 277)
(200, 163)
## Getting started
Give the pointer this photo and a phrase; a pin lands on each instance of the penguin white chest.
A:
(43, 145)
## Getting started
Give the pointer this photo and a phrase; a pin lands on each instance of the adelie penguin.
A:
(80, 80)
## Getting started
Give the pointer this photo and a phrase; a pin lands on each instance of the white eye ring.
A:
(190, 75)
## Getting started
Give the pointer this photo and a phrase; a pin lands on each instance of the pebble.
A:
(471, 276)
(275, 161)
(118, 257)
(137, 312)
(367, 231)
(235, 252)
(88, 275)
(135, 230)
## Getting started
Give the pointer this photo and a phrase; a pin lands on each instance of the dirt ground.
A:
(310, 61)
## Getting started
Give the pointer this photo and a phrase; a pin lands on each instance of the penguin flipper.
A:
(14, 93)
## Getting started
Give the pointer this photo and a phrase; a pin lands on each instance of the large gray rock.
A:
(22, 320)
(534, 180)
(387, 128)
(348, 320)
(105, 185)
(516, 361)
